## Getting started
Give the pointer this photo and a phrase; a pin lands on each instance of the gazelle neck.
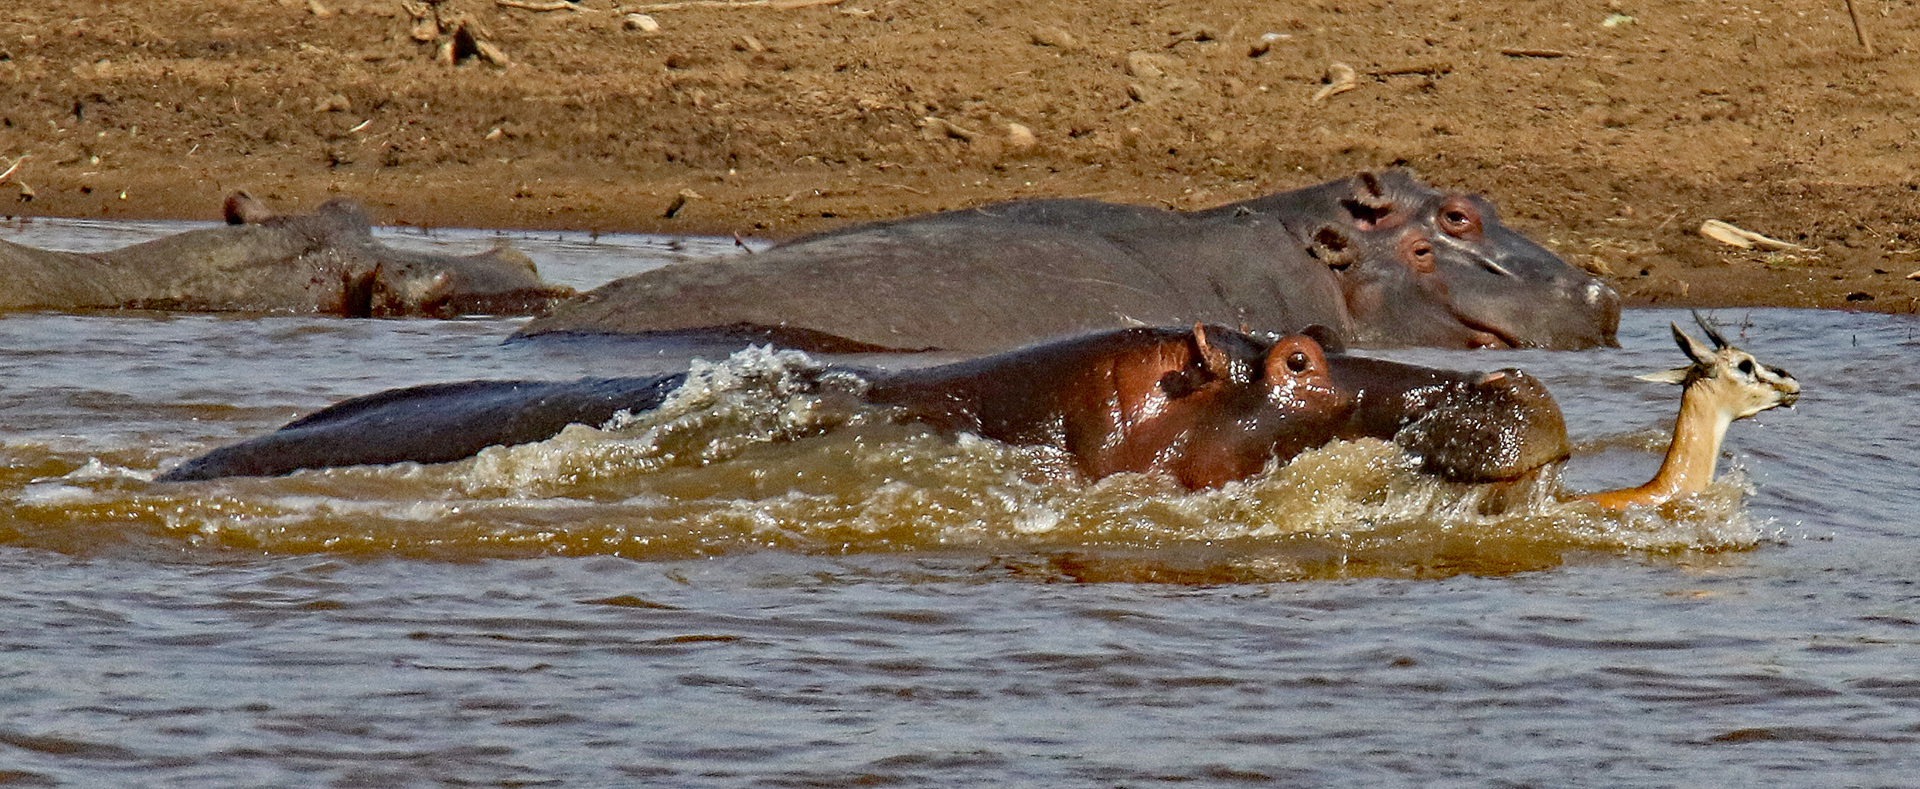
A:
(1691, 458)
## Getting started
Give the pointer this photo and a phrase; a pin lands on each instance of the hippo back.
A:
(1381, 259)
(1092, 217)
(986, 287)
(436, 423)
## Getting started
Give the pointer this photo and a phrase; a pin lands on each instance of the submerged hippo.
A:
(1206, 406)
(1381, 259)
(323, 262)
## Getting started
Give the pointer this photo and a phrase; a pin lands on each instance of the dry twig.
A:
(1340, 79)
(1743, 238)
(1859, 31)
(780, 5)
(26, 192)
(1434, 69)
(1533, 53)
(530, 5)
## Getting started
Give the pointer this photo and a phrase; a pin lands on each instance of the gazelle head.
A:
(1723, 384)
(1737, 384)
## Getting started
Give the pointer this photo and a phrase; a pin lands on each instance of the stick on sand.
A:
(1858, 31)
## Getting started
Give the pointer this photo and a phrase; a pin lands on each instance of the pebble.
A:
(1055, 37)
(1020, 139)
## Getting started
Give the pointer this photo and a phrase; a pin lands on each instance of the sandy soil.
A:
(1608, 129)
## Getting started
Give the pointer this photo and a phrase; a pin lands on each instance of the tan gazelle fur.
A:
(1723, 384)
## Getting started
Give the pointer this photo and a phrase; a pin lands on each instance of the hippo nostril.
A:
(1493, 378)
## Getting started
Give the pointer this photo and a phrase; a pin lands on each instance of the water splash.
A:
(756, 396)
(769, 450)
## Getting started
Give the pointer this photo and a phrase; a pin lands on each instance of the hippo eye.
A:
(1459, 219)
(1298, 362)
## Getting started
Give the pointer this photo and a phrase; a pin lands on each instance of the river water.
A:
(726, 594)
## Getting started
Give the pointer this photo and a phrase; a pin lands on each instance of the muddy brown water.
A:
(725, 594)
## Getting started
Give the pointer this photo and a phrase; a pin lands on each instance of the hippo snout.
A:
(1603, 302)
(1497, 427)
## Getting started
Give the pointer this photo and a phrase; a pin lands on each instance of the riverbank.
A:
(1609, 132)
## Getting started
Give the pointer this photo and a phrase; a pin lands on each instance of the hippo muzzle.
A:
(1464, 427)
(1497, 428)
(1505, 284)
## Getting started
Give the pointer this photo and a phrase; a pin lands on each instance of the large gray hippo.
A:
(1381, 259)
(1205, 405)
(323, 262)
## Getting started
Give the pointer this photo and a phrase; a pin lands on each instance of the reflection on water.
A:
(756, 588)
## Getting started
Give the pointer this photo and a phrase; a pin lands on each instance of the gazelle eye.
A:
(1746, 366)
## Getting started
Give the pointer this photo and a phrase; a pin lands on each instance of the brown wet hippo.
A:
(1381, 259)
(1205, 405)
(324, 262)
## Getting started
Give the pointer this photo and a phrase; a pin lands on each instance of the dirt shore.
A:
(1607, 129)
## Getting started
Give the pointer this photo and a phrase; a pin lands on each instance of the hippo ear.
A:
(1372, 193)
(1369, 203)
(1329, 341)
(1212, 359)
(1213, 366)
(1333, 248)
(241, 208)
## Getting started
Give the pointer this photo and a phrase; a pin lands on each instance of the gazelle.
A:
(1723, 384)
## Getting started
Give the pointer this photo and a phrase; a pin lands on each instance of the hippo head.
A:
(1424, 267)
(378, 281)
(500, 281)
(1237, 401)
(333, 217)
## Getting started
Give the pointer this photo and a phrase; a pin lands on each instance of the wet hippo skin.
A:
(1206, 405)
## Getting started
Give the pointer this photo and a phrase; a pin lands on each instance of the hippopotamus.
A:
(1206, 406)
(1381, 259)
(324, 262)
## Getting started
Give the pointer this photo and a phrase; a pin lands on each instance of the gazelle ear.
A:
(1677, 375)
(1700, 354)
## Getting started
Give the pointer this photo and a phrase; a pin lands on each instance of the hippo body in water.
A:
(1383, 260)
(324, 262)
(1206, 406)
